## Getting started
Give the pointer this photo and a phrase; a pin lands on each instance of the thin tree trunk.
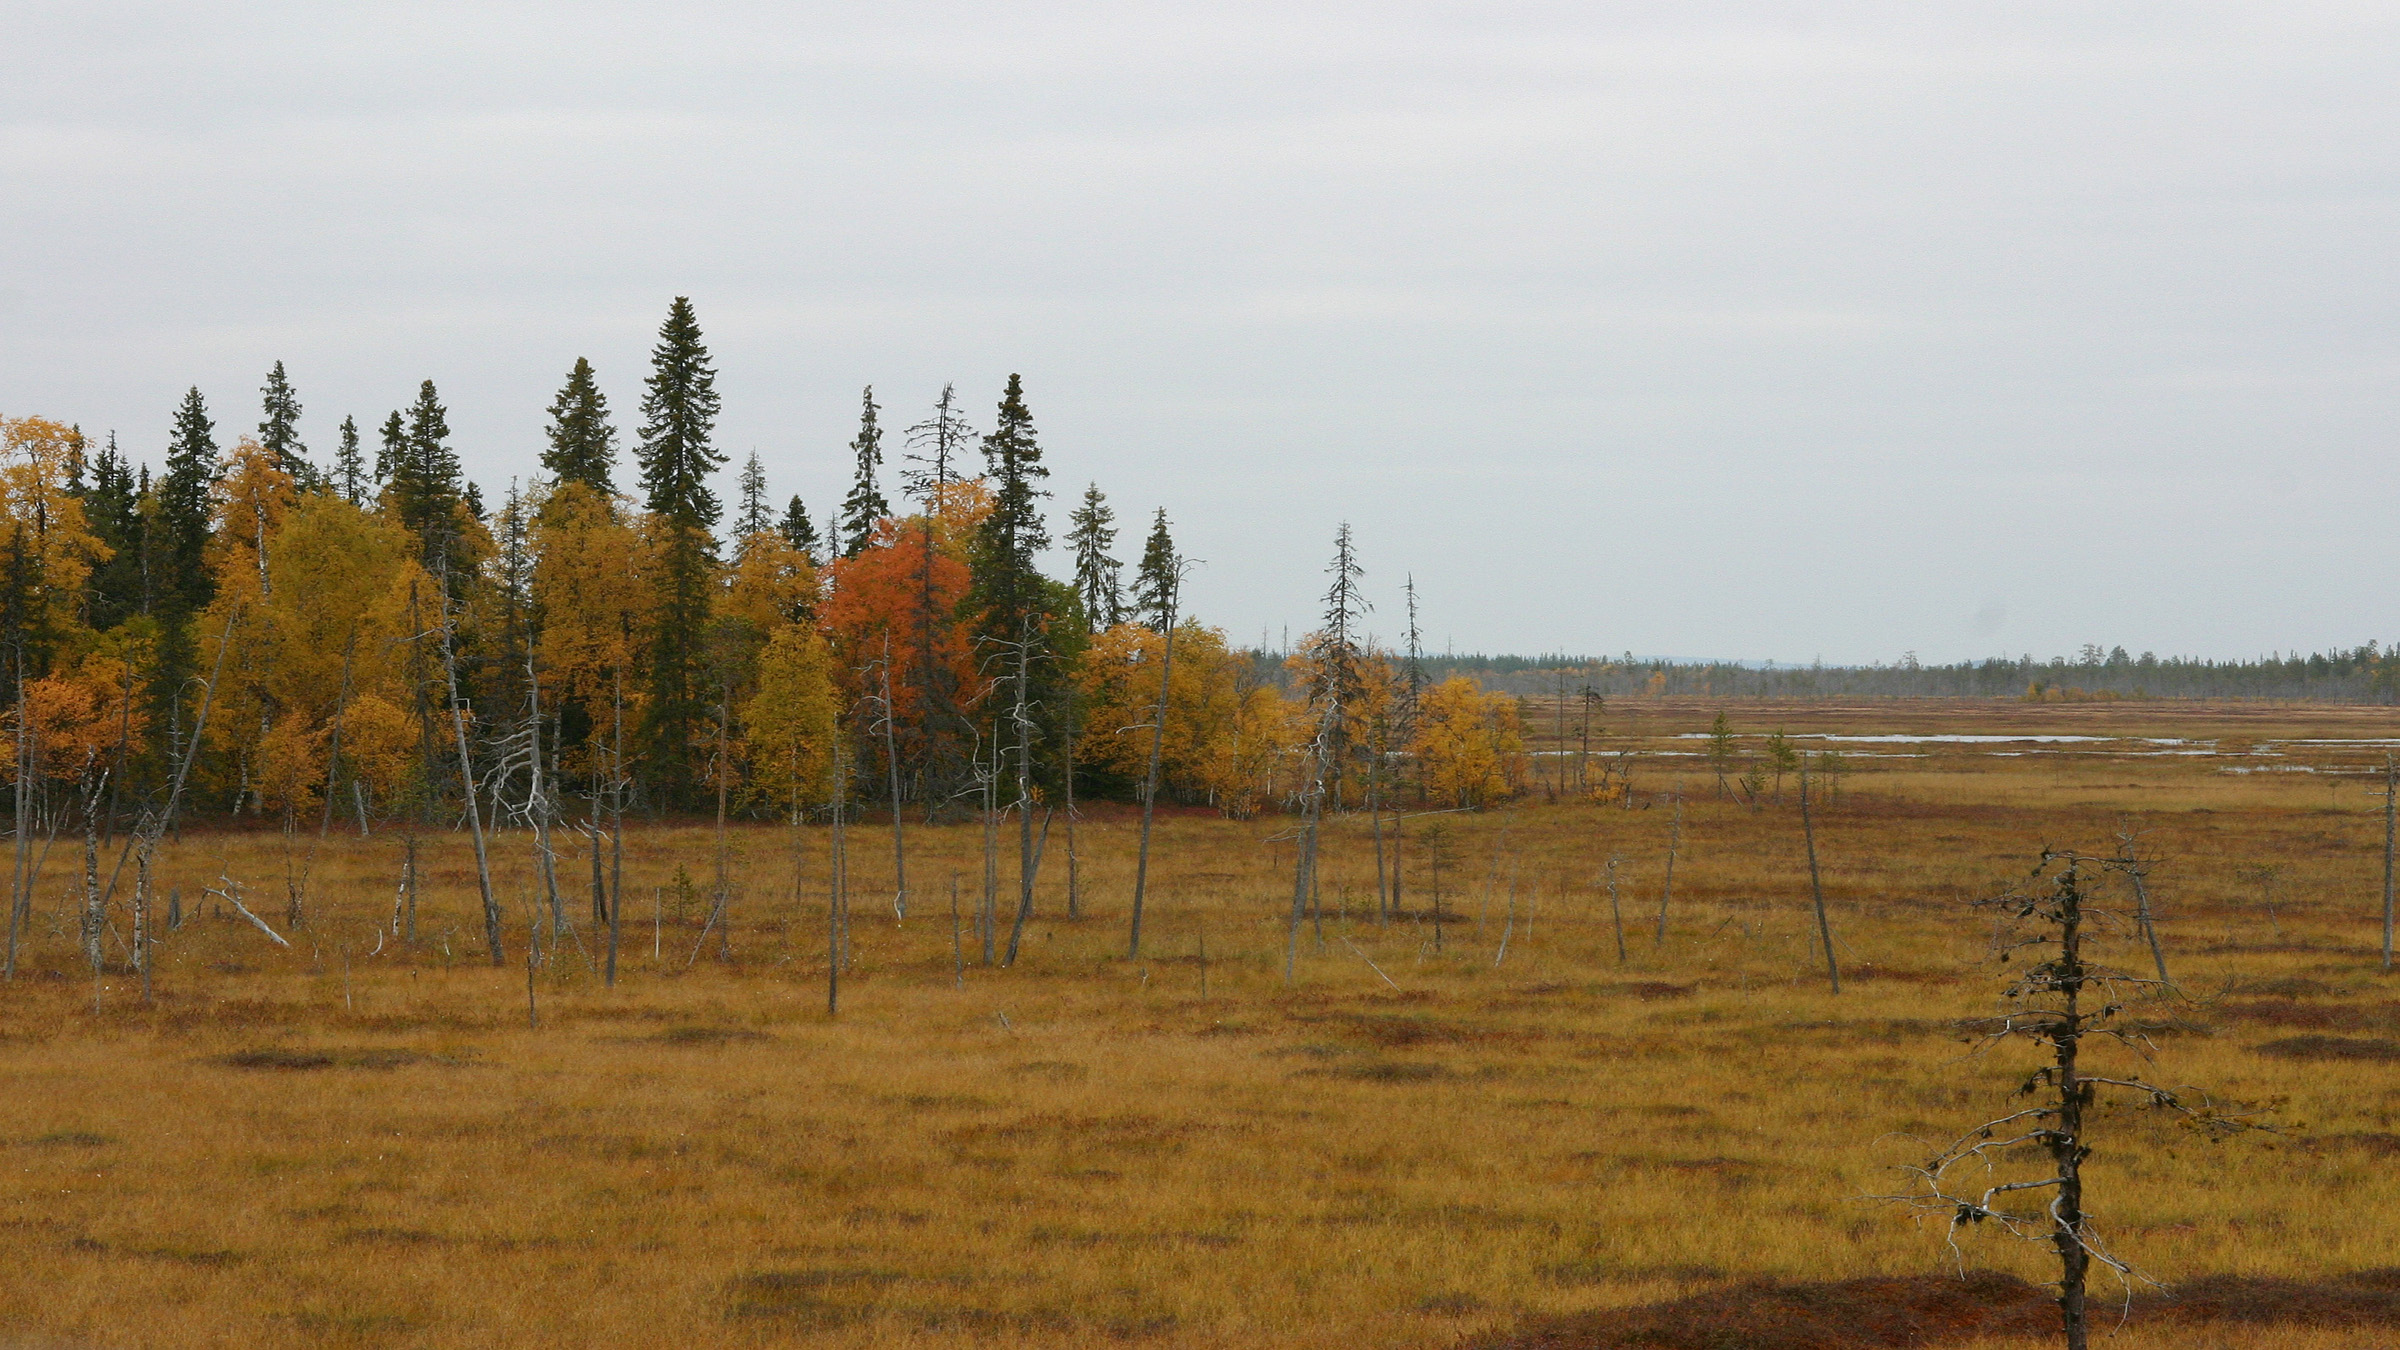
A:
(891, 761)
(1025, 864)
(991, 854)
(1616, 911)
(836, 946)
(1074, 876)
(1816, 887)
(2391, 783)
(1667, 892)
(466, 776)
(1383, 910)
(1158, 733)
(19, 898)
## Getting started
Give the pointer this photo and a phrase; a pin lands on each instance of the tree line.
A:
(249, 631)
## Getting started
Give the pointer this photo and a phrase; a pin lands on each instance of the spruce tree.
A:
(112, 506)
(583, 444)
(392, 453)
(1009, 543)
(797, 531)
(184, 584)
(279, 432)
(425, 484)
(1154, 580)
(753, 516)
(349, 467)
(1098, 578)
(679, 412)
(865, 505)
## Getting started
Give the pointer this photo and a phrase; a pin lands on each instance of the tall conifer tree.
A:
(583, 444)
(679, 414)
(349, 466)
(865, 505)
(112, 506)
(184, 585)
(279, 430)
(1154, 580)
(392, 452)
(753, 516)
(1098, 579)
(425, 486)
(1009, 543)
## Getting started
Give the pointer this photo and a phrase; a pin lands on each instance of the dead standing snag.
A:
(2061, 1001)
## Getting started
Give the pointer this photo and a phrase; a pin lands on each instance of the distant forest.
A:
(2369, 673)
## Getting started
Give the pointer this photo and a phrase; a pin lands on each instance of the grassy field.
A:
(363, 1141)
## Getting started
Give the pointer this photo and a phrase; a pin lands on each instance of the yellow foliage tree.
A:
(770, 583)
(38, 459)
(323, 633)
(1470, 745)
(790, 722)
(590, 585)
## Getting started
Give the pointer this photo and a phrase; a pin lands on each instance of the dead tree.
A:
(1816, 886)
(891, 762)
(466, 779)
(1666, 892)
(1158, 736)
(2391, 786)
(2060, 1002)
(2130, 866)
(1616, 911)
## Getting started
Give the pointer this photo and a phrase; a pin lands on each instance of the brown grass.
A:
(331, 1147)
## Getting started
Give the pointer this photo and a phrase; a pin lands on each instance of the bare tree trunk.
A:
(20, 900)
(1816, 887)
(1025, 854)
(1674, 845)
(991, 853)
(724, 853)
(333, 763)
(1383, 910)
(1158, 732)
(2144, 918)
(1616, 911)
(1074, 875)
(466, 777)
(544, 858)
(891, 761)
(2391, 782)
(836, 940)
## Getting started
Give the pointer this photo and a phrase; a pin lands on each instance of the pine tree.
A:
(1092, 534)
(349, 467)
(797, 530)
(679, 411)
(865, 505)
(1009, 543)
(583, 444)
(1154, 580)
(279, 433)
(754, 516)
(184, 584)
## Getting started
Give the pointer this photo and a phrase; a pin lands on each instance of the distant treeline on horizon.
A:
(2369, 673)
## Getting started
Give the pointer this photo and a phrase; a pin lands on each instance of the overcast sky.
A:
(1707, 329)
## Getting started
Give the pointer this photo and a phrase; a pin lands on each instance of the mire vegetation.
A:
(1486, 1121)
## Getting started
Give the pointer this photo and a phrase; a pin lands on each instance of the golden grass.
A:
(331, 1147)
